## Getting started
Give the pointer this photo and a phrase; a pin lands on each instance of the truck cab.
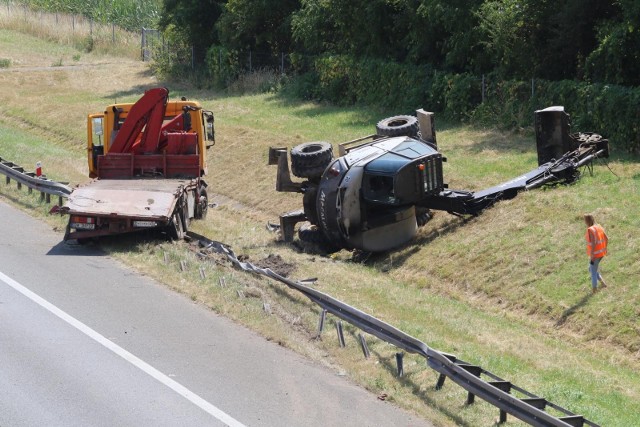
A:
(102, 128)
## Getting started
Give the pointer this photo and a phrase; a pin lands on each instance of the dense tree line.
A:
(594, 40)
(405, 54)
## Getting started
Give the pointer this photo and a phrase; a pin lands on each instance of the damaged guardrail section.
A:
(497, 391)
(46, 187)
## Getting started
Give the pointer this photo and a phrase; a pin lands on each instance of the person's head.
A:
(588, 219)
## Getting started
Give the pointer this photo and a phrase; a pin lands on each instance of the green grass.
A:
(507, 290)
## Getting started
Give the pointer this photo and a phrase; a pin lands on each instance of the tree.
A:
(358, 27)
(617, 56)
(262, 26)
(545, 39)
(194, 22)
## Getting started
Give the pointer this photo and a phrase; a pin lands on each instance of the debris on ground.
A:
(277, 265)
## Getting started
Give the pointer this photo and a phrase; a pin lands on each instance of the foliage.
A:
(222, 66)
(420, 32)
(263, 27)
(172, 58)
(617, 57)
(192, 23)
(128, 14)
(611, 110)
(543, 39)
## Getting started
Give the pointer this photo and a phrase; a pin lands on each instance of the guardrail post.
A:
(363, 344)
(399, 361)
(7, 180)
(41, 196)
(340, 333)
(440, 381)
(323, 315)
(48, 197)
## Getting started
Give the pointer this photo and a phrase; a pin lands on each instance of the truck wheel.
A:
(309, 160)
(174, 229)
(202, 207)
(398, 126)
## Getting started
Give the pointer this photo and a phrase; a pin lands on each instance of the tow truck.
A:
(382, 187)
(147, 160)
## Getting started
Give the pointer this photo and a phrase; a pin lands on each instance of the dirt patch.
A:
(277, 265)
(273, 262)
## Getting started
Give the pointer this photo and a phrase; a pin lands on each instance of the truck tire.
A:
(309, 160)
(398, 126)
(174, 229)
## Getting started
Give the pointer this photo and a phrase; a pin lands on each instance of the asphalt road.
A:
(86, 341)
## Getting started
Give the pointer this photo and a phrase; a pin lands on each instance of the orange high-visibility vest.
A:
(599, 244)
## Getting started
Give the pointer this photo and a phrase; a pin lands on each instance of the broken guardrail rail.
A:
(496, 391)
(46, 187)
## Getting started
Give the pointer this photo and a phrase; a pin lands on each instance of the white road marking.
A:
(140, 364)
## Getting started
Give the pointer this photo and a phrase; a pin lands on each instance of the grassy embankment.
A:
(507, 290)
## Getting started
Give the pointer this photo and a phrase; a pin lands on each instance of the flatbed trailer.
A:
(115, 206)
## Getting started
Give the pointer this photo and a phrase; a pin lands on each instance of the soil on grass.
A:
(277, 265)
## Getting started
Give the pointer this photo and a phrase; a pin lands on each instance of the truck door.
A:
(95, 141)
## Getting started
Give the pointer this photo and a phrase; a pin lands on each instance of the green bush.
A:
(613, 111)
(222, 66)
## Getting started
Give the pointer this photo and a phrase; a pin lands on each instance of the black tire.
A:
(309, 160)
(398, 126)
(202, 205)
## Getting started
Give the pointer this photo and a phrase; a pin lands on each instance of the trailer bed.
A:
(144, 199)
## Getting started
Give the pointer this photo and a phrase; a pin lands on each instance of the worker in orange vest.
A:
(596, 250)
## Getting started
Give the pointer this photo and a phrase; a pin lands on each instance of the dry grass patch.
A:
(67, 31)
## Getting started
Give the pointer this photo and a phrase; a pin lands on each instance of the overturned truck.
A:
(382, 187)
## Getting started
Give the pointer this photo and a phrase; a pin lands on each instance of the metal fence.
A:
(33, 181)
(150, 42)
(503, 394)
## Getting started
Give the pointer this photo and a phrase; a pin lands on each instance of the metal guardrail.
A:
(496, 391)
(46, 187)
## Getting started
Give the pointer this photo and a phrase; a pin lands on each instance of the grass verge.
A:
(506, 290)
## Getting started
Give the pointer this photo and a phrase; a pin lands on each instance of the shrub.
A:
(613, 111)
